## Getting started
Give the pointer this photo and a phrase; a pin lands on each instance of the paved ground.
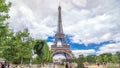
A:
(94, 66)
(55, 66)
(45, 66)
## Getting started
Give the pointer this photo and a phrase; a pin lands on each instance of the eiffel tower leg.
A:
(66, 56)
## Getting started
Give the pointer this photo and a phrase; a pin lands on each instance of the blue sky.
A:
(90, 26)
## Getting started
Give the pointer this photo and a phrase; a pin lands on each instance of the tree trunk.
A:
(21, 62)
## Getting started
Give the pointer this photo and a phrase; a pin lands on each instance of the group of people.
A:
(68, 65)
(4, 65)
(103, 64)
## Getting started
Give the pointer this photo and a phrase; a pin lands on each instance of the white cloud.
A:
(59, 56)
(109, 48)
(87, 21)
(49, 44)
(81, 3)
(83, 52)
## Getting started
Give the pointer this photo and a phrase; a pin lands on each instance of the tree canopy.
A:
(4, 31)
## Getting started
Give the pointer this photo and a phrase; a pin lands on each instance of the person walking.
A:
(98, 64)
(3, 65)
(0, 65)
(104, 64)
(70, 65)
(66, 65)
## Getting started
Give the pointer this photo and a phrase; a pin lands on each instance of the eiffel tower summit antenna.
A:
(59, 2)
(59, 28)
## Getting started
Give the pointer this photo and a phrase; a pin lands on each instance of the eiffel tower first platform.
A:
(60, 46)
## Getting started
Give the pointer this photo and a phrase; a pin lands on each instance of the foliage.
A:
(80, 61)
(4, 31)
(12, 46)
(91, 58)
(106, 57)
(19, 47)
(118, 54)
(114, 58)
(42, 50)
(4, 8)
(74, 60)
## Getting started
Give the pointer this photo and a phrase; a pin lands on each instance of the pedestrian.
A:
(70, 65)
(86, 64)
(104, 65)
(0, 65)
(3, 65)
(98, 64)
(66, 65)
(9, 66)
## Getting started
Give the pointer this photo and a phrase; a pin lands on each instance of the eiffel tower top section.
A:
(59, 28)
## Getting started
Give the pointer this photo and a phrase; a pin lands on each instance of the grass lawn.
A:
(112, 65)
(109, 65)
(61, 66)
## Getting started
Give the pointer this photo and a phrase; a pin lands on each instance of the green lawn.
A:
(109, 65)
(61, 66)
(112, 65)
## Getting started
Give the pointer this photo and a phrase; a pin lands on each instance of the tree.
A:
(99, 59)
(9, 48)
(4, 8)
(114, 58)
(118, 54)
(25, 45)
(91, 58)
(106, 57)
(19, 47)
(80, 61)
(42, 50)
(4, 31)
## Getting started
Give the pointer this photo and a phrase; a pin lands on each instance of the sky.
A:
(90, 26)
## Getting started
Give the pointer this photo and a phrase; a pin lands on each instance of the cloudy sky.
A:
(90, 26)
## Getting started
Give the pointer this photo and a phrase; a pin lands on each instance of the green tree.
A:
(91, 58)
(114, 58)
(80, 61)
(9, 48)
(4, 31)
(4, 8)
(118, 54)
(42, 50)
(106, 57)
(19, 47)
(25, 45)
(99, 59)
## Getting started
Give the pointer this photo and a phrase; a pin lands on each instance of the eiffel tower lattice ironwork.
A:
(60, 46)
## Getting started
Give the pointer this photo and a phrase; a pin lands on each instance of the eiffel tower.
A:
(60, 46)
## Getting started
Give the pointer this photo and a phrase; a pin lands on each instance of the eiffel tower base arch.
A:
(62, 50)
